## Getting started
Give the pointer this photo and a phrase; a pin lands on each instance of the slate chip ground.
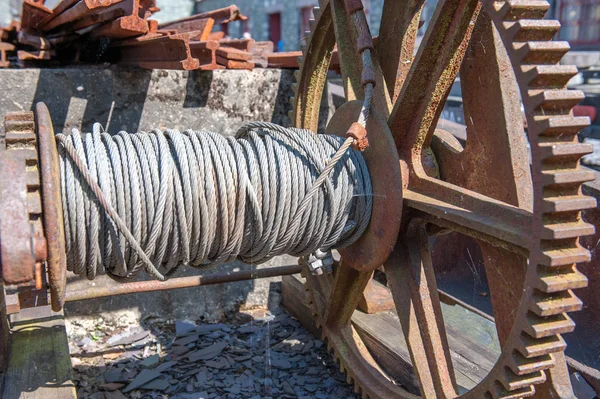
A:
(268, 356)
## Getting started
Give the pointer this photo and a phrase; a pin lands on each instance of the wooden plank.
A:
(39, 364)
(473, 344)
(388, 346)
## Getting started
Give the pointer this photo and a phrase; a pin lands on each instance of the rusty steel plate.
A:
(377, 242)
(52, 206)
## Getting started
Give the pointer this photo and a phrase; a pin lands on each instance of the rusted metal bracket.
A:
(23, 244)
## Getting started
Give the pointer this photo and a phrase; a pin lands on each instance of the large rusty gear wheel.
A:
(524, 210)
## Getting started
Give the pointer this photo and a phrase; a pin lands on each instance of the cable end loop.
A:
(359, 134)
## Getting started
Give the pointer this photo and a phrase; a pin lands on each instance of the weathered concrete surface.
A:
(131, 100)
(134, 100)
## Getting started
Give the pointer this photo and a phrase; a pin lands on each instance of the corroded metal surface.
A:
(375, 245)
(52, 204)
(527, 225)
(22, 243)
(180, 282)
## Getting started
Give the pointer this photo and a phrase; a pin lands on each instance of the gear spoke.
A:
(348, 53)
(348, 287)
(397, 36)
(471, 213)
(432, 73)
(412, 281)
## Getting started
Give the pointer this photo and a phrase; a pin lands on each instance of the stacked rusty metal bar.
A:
(124, 34)
(184, 44)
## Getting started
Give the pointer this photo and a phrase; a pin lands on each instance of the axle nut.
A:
(359, 134)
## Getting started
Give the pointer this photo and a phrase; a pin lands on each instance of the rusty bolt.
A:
(320, 262)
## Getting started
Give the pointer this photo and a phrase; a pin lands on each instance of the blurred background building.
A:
(285, 21)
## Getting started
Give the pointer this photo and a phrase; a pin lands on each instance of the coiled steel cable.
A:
(159, 200)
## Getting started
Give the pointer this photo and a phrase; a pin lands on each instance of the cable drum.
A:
(160, 200)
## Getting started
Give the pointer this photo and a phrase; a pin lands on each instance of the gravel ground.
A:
(251, 354)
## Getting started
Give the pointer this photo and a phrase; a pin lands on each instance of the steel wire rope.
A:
(163, 199)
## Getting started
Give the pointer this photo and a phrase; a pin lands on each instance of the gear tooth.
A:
(357, 389)
(349, 378)
(562, 256)
(520, 365)
(553, 280)
(499, 392)
(551, 152)
(555, 101)
(300, 61)
(559, 231)
(542, 327)
(297, 77)
(541, 53)
(560, 125)
(567, 177)
(568, 203)
(555, 303)
(548, 76)
(531, 347)
(317, 10)
(526, 30)
(515, 10)
(311, 24)
(513, 382)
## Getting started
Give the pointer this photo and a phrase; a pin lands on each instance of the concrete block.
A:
(132, 100)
